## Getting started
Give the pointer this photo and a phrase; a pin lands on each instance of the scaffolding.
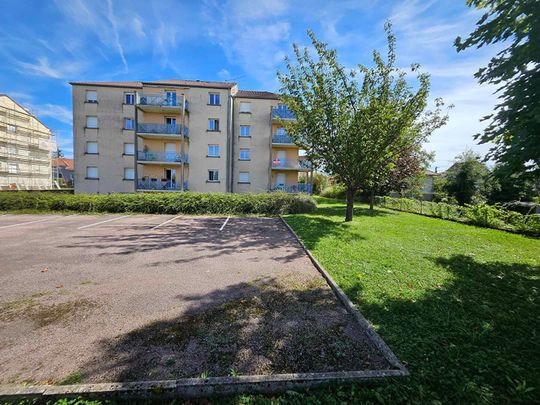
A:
(25, 157)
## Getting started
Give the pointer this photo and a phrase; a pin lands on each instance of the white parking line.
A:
(25, 223)
(166, 222)
(102, 222)
(224, 223)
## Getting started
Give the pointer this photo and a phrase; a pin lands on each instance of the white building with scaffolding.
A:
(25, 149)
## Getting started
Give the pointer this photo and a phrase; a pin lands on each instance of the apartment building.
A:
(177, 135)
(25, 144)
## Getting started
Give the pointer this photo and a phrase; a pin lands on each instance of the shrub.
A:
(162, 203)
(478, 214)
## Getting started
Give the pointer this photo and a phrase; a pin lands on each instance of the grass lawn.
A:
(459, 305)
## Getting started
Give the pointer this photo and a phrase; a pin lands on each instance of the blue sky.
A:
(46, 44)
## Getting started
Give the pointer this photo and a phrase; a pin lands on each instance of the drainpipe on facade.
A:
(230, 144)
(182, 140)
(136, 143)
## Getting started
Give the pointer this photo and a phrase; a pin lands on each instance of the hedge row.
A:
(479, 214)
(161, 203)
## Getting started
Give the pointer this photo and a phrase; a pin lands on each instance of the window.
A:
(213, 150)
(129, 173)
(92, 148)
(129, 123)
(213, 124)
(129, 149)
(245, 130)
(281, 131)
(91, 96)
(13, 168)
(245, 107)
(12, 150)
(170, 120)
(243, 177)
(91, 121)
(12, 128)
(213, 98)
(92, 172)
(244, 154)
(129, 98)
(213, 175)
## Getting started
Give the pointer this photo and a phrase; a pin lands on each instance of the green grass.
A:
(459, 305)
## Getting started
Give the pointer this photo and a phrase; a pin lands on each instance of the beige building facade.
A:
(25, 145)
(178, 135)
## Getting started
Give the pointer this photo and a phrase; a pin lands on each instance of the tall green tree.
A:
(467, 178)
(515, 126)
(356, 130)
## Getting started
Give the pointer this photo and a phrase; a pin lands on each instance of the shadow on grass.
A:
(294, 324)
(473, 340)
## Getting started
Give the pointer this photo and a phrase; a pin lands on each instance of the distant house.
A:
(429, 184)
(63, 171)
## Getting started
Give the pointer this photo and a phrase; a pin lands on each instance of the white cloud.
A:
(224, 74)
(138, 27)
(112, 20)
(54, 111)
(43, 68)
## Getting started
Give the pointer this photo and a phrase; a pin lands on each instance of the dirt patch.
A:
(42, 314)
(290, 325)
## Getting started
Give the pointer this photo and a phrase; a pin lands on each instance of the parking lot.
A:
(131, 297)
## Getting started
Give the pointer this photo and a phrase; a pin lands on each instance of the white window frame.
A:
(88, 117)
(91, 96)
(213, 124)
(89, 169)
(131, 120)
(127, 97)
(11, 128)
(215, 175)
(129, 173)
(243, 130)
(214, 99)
(243, 177)
(213, 150)
(88, 149)
(245, 154)
(129, 147)
(13, 168)
(245, 107)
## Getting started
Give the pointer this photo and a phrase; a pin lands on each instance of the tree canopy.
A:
(355, 129)
(515, 126)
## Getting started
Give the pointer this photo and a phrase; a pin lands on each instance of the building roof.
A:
(256, 94)
(173, 82)
(432, 173)
(59, 162)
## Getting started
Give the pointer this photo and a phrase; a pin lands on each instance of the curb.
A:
(373, 336)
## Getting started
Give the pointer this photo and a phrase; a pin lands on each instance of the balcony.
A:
(281, 112)
(292, 188)
(161, 157)
(164, 131)
(160, 185)
(291, 164)
(160, 103)
(283, 139)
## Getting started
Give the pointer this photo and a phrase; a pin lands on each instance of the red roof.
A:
(63, 162)
(173, 82)
(256, 94)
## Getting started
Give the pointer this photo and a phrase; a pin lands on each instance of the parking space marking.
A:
(166, 222)
(102, 222)
(25, 223)
(224, 223)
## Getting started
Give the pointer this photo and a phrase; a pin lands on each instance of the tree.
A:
(355, 131)
(514, 126)
(509, 186)
(467, 178)
(58, 153)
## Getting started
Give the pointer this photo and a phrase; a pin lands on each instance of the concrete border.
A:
(351, 308)
(189, 388)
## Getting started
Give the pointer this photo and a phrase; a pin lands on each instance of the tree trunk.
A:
(371, 199)
(350, 204)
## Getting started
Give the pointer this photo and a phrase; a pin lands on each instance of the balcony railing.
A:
(292, 188)
(283, 113)
(161, 157)
(160, 185)
(160, 100)
(291, 164)
(167, 129)
(282, 138)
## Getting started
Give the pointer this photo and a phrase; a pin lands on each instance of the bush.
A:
(161, 203)
(478, 214)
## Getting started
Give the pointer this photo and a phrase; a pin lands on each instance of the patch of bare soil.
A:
(287, 325)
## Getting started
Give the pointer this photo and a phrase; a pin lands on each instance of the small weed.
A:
(73, 378)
